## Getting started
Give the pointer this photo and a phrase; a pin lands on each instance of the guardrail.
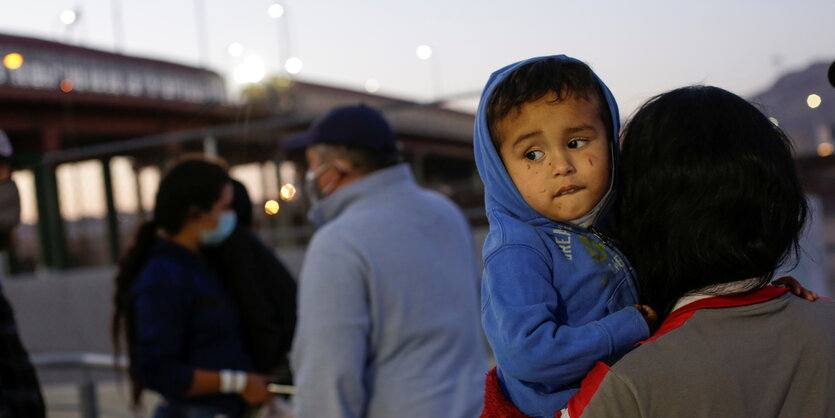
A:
(88, 404)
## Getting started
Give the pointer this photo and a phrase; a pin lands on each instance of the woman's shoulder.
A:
(162, 270)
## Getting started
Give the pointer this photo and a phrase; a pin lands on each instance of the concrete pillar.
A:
(140, 210)
(210, 146)
(112, 217)
(50, 224)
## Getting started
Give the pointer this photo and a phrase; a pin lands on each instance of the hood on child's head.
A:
(500, 191)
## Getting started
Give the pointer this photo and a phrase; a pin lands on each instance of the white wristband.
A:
(226, 384)
(240, 381)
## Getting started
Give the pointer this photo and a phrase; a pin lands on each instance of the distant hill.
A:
(786, 101)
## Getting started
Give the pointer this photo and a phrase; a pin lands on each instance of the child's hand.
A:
(650, 316)
(795, 287)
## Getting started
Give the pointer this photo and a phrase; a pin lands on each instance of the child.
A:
(557, 296)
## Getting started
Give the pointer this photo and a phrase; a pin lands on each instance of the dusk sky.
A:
(639, 48)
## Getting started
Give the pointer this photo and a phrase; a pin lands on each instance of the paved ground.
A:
(113, 399)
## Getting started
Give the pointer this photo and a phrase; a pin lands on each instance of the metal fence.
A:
(88, 405)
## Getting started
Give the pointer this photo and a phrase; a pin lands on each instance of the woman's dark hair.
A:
(532, 81)
(241, 204)
(188, 185)
(710, 195)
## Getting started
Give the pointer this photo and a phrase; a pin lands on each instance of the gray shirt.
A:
(772, 357)
(388, 320)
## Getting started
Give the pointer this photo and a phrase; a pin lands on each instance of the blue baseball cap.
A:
(357, 126)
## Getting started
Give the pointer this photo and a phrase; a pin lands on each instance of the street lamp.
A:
(372, 85)
(825, 149)
(235, 49)
(68, 17)
(813, 101)
(293, 65)
(250, 71)
(275, 10)
(424, 52)
(13, 61)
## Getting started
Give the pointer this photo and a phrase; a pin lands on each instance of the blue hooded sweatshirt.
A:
(556, 298)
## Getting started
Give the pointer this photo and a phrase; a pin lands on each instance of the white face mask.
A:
(312, 190)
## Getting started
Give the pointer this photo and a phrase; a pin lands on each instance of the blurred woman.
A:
(181, 327)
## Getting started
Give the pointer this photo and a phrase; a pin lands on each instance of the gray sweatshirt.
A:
(388, 322)
(767, 354)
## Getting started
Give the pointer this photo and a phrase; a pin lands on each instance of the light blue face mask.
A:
(225, 226)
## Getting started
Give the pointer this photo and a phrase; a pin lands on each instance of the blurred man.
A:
(388, 298)
(20, 394)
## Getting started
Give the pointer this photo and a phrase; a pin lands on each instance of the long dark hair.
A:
(189, 185)
(710, 194)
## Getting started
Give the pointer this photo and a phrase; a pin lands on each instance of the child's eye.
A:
(534, 155)
(577, 143)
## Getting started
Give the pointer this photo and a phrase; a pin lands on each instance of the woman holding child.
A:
(711, 206)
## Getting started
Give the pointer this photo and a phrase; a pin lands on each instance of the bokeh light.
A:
(68, 17)
(13, 61)
(813, 101)
(271, 207)
(825, 149)
(372, 85)
(293, 65)
(66, 85)
(235, 49)
(252, 70)
(275, 10)
(424, 52)
(288, 192)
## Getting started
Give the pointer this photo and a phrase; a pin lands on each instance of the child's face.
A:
(557, 155)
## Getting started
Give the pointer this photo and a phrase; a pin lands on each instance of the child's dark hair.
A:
(531, 82)
(188, 185)
(710, 195)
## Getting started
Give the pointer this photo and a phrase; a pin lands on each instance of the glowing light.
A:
(235, 49)
(293, 65)
(66, 85)
(813, 101)
(288, 192)
(271, 207)
(372, 85)
(275, 10)
(825, 149)
(68, 17)
(424, 52)
(774, 121)
(13, 61)
(250, 71)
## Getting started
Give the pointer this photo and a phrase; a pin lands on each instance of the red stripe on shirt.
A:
(588, 388)
(592, 381)
(678, 317)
